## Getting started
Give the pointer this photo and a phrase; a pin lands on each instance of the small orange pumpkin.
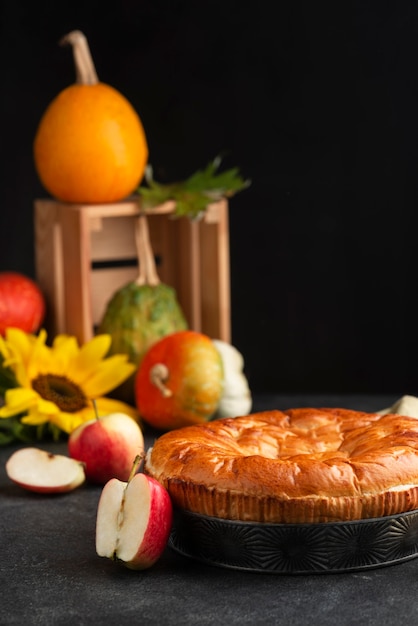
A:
(179, 381)
(90, 145)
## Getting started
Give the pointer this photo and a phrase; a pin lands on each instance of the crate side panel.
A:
(76, 275)
(215, 277)
(112, 238)
(49, 264)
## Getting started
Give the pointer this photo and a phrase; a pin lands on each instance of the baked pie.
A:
(303, 465)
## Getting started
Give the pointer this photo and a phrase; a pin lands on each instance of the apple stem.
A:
(95, 409)
(135, 466)
(158, 375)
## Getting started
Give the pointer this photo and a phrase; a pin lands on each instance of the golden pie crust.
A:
(303, 465)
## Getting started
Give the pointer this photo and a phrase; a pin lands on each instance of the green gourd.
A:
(141, 312)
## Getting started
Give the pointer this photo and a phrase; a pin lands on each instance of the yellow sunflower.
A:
(64, 384)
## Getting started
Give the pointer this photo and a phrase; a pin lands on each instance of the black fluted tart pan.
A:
(296, 548)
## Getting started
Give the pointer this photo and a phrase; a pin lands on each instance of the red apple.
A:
(22, 304)
(43, 472)
(134, 521)
(107, 446)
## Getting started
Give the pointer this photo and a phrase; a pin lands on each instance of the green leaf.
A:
(193, 195)
(7, 378)
(13, 431)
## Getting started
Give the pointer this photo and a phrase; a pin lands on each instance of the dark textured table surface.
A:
(50, 573)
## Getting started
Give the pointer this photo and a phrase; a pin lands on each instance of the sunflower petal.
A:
(17, 351)
(40, 361)
(23, 343)
(18, 400)
(35, 418)
(89, 358)
(68, 422)
(64, 352)
(105, 406)
(95, 350)
(47, 407)
(108, 375)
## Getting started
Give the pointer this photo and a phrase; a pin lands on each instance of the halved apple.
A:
(44, 472)
(134, 520)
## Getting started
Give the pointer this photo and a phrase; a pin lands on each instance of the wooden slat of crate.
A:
(80, 252)
(215, 282)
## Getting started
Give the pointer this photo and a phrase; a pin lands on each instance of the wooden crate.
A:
(84, 253)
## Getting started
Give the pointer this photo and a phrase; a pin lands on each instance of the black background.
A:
(316, 103)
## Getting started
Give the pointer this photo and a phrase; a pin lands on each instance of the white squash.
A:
(406, 405)
(236, 397)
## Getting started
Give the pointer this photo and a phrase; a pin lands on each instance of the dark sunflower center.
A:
(63, 392)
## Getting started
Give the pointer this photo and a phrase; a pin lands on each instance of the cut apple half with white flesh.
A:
(44, 472)
(134, 521)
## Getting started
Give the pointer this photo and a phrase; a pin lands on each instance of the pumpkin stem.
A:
(84, 65)
(158, 375)
(147, 269)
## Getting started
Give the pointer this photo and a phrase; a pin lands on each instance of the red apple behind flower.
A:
(22, 304)
(107, 446)
(134, 521)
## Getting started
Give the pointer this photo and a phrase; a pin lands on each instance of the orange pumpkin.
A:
(90, 145)
(179, 381)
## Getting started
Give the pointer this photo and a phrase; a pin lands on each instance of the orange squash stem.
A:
(84, 65)
(158, 375)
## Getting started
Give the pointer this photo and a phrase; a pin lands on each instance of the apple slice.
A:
(44, 472)
(134, 520)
